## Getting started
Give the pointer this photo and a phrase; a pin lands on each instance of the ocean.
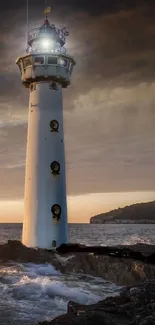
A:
(31, 293)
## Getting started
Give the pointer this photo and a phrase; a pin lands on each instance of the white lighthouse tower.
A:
(45, 70)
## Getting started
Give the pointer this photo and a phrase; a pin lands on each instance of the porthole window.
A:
(56, 211)
(55, 168)
(54, 126)
(53, 86)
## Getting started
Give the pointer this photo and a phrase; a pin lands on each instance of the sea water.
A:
(31, 293)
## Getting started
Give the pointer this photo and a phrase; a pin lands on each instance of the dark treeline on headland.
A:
(136, 213)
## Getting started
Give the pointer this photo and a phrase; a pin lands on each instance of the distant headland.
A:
(136, 213)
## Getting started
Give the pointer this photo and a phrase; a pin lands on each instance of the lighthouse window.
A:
(56, 211)
(63, 62)
(54, 126)
(20, 65)
(70, 67)
(32, 87)
(39, 60)
(55, 168)
(53, 86)
(27, 62)
(52, 60)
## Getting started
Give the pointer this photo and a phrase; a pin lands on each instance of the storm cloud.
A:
(109, 110)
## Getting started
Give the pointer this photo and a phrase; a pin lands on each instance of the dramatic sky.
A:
(109, 110)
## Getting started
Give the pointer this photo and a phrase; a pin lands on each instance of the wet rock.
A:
(140, 252)
(123, 265)
(134, 306)
(15, 251)
(118, 270)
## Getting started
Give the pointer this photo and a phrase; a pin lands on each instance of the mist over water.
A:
(31, 293)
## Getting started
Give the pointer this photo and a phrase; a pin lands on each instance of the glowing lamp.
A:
(46, 44)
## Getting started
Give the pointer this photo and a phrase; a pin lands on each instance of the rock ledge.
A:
(134, 306)
(123, 265)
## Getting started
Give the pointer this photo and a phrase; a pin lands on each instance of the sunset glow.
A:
(80, 207)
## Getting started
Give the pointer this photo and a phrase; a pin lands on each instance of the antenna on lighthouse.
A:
(27, 20)
(47, 10)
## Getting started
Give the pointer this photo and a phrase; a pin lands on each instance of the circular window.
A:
(53, 86)
(56, 210)
(54, 125)
(55, 167)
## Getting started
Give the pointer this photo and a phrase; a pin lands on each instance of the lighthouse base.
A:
(44, 240)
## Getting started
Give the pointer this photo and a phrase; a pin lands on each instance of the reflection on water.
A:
(91, 234)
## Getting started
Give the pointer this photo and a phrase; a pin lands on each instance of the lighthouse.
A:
(45, 69)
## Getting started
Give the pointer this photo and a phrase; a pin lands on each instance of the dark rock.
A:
(133, 252)
(15, 251)
(123, 265)
(134, 306)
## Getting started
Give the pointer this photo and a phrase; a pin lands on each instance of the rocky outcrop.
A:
(118, 270)
(123, 265)
(134, 306)
(15, 251)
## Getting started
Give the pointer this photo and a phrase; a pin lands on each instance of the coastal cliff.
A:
(136, 213)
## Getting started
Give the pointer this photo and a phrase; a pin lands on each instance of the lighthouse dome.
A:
(47, 38)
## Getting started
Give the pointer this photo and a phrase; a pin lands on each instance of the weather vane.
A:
(47, 11)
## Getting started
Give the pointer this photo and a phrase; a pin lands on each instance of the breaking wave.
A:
(134, 239)
(31, 293)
